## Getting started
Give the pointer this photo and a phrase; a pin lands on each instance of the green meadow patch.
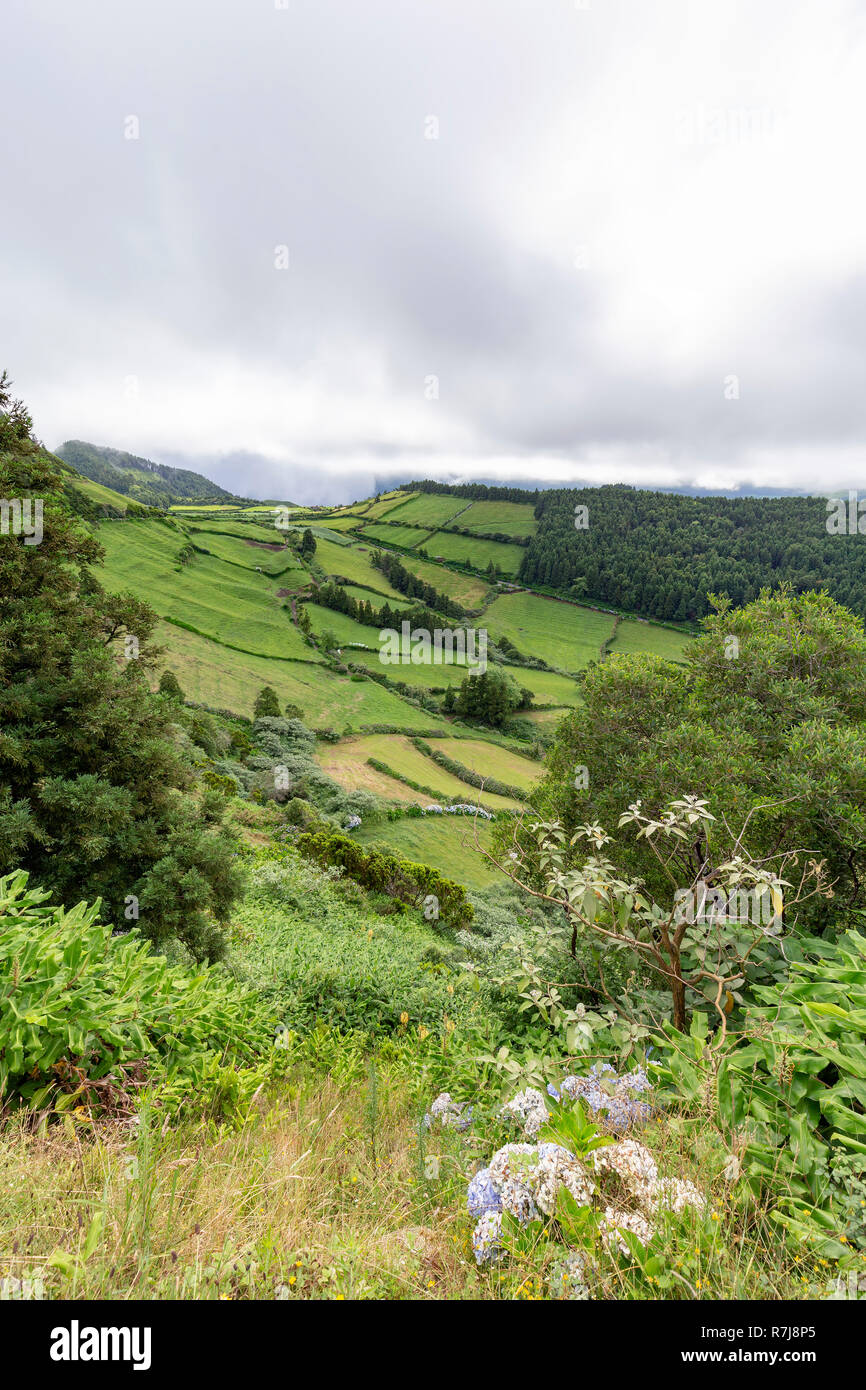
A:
(634, 636)
(470, 550)
(511, 518)
(491, 760)
(428, 509)
(446, 843)
(212, 675)
(225, 602)
(352, 563)
(562, 634)
(254, 554)
(466, 589)
(408, 536)
(345, 762)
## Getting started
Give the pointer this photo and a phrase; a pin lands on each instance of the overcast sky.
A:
(635, 252)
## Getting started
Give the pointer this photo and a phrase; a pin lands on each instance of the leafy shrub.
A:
(791, 1090)
(86, 1018)
(316, 955)
(382, 872)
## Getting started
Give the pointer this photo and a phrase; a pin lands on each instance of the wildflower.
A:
(451, 1114)
(487, 1238)
(481, 1195)
(404, 1018)
(530, 1109)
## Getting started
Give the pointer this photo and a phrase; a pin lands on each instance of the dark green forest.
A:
(662, 554)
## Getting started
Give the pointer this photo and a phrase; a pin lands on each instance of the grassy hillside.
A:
(468, 550)
(346, 762)
(511, 518)
(465, 589)
(352, 563)
(562, 634)
(271, 558)
(639, 636)
(410, 537)
(210, 676)
(491, 760)
(427, 510)
(446, 843)
(238, 608)
(154, 484)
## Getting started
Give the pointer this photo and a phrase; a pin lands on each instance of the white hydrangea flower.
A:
(448, 1112)
(530, 1109)
(616, 1220)
(558, 1168)
(528, 1178)
(510, 1170)
(675, 1194)
(631, 1161)
(487, 1238)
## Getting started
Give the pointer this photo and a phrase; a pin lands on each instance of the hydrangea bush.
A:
(611, 1186)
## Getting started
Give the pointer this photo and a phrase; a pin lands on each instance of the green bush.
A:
(87, 1018)
(387, 873)
(791, 1089)
(318, 956)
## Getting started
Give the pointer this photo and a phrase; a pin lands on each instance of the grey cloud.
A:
(154, 258)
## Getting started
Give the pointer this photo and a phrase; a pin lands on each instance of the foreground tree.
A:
(96, 799)
(714, 930)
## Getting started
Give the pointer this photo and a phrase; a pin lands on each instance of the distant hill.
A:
(153, 484)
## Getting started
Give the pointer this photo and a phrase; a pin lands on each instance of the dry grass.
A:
(317, 1197)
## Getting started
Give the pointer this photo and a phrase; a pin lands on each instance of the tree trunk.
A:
(678, 993)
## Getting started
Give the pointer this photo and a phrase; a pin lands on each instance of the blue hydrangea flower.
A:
(487, 1238)
(481, 1195)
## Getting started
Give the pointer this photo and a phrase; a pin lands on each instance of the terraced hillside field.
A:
(211, 675)
(353, 563)
(418, 677)
(562, 634)
(244, 530)
(548, 687)
(466, 589)
(428, 509)
(446, 843)
(346, 762)
(469, 550)
(234, 606)
(346, 521)
(385, 506)
(410, 537)
(491, 760)
(633, 635)
(270, 557)
(511, 518)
